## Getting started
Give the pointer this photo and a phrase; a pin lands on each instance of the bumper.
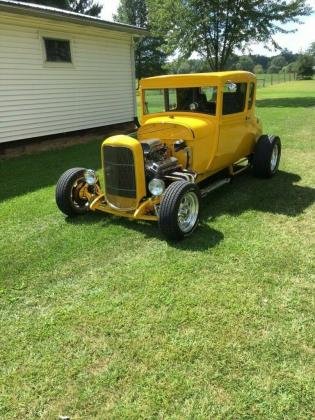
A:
(143, 212)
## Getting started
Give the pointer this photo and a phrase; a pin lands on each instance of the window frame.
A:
(252, 99)
(60, 37)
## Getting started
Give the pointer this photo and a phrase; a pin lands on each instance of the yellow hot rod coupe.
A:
(197, 131)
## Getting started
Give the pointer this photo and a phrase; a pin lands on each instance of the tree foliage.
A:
(179, 66)
(261, 59)
(216, 28)
(291, 67)
(305, 66)
(284, 62)
(258, 69)
(311, 49)
(245, 63)
(149, 58)
(87, 7)
(289, 56)
(276, 64)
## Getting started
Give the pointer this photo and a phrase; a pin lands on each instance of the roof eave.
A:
(60, 16)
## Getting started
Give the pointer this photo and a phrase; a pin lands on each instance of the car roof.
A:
(196, 79)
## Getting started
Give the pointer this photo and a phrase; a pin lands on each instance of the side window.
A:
(234, 95)
(154, 101)
(251, 95)
(210, 94)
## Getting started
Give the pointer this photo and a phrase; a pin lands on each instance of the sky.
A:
(295, 42)
(109, 7)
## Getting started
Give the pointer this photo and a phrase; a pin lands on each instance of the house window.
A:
(57, 50)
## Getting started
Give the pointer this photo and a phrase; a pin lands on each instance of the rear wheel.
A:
(179, 210)
(266, 156)
(68, 189)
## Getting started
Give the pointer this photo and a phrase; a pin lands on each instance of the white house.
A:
(62, 71)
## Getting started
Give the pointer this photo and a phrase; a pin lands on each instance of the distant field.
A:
(102, 319)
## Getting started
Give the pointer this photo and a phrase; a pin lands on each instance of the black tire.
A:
(169, 222)
(67, 198)
(265, 163)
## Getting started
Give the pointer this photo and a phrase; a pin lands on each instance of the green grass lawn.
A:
(101, 318)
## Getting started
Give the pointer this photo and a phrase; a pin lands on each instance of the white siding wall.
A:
(37, 100)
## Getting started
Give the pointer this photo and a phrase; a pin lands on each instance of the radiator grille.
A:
(120, 179)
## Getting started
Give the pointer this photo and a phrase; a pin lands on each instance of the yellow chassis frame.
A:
(98, 202)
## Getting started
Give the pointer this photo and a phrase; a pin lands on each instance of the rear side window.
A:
(234, 95)
(251, 95)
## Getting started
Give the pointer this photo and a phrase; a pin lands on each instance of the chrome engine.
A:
(157, 162)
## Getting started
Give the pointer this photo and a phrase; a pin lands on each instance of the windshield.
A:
(191, 99)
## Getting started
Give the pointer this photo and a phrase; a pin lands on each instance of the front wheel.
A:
(179, 210)
(68, 188)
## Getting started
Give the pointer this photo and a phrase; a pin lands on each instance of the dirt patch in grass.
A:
(61, 141)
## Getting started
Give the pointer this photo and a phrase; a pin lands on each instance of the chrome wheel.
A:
(179, 210)
(76, 200)
(188, 212)
(274, 157)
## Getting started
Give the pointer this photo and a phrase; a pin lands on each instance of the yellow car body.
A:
(192, 127)
(217, 141)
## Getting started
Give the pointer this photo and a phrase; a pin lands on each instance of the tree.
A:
(216, 28)
(258, 69)
(273, 69)
(187, 66)
(262, 60)
(288, 55)
(291, 68)
(311, 49)
(149, 58)
(198, 66)
(87, 7)
(184, 67)
(245, 63)
(305, 66)
(276, 64)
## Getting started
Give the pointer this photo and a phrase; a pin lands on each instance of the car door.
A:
(235, 131)
(248, 143)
